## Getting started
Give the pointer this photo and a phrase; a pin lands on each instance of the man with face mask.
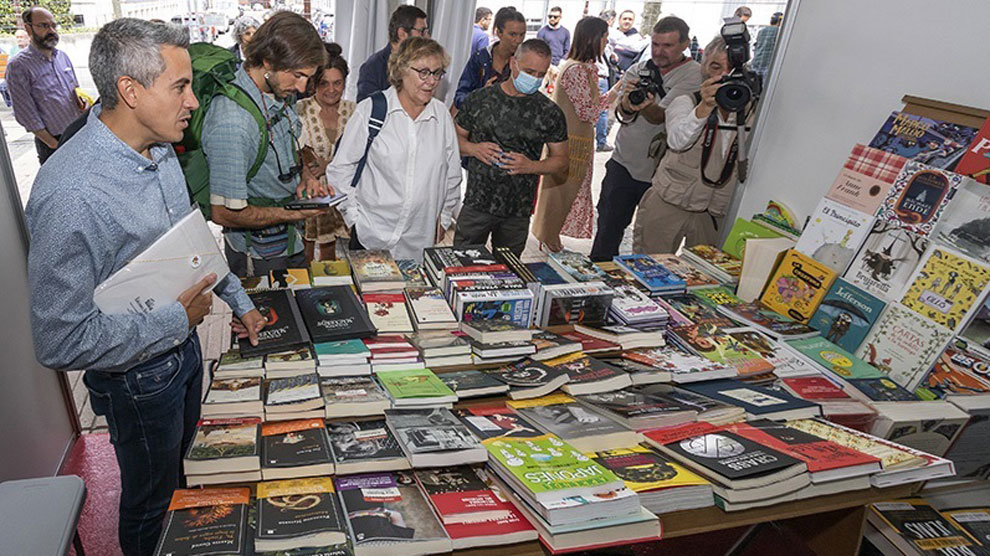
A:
(501, 131)
(260, 235)
(42, 84)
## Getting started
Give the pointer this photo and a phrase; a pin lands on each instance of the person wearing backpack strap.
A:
(256, 115)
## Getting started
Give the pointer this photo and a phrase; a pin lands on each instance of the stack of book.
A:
(656, 278)
(225, 532)
(670, 364)
(693, 278)
(528, 378)
(412, 388)
(392, 351)
(584, 303)
(353, 396)
(388, 312)
(223, 451)
(433, 437)
(284, 329)
(632, 307)
(292, 449)
(299, 361)
(624, 337)
(429, 309)
(342, 358)
(234, 397)
(575, 424)
(715, 345)
(232, 365)
(364, 447)
(663, 485)
(436, 260)
(587, 375)
(441, 348)
(495, 341)
(714, 262)
(575, 267)
(331, 273)
(375, 271)
(473, 383)
(334, 313)
(295, 397)
(298, 514)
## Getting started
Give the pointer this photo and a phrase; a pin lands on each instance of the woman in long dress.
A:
(564, 206)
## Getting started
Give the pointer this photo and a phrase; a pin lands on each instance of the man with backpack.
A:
(249, 138)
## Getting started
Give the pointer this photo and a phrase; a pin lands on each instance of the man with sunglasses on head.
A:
(260, 234)
(406, 21)
(42, 84)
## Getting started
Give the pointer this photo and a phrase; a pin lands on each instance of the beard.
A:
(48, 41)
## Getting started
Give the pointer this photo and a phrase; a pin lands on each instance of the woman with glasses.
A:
(405, 196)
(323, 118)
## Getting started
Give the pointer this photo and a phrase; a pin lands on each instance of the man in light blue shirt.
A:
(99, 201)
(479, 36)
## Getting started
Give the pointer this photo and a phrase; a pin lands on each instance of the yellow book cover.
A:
(293, 278)
(564, 359)
(798, 286)
(890, 457)
(645, 470)
(974, 521)
(328, 269)
(552, 399)
(946, 286)
(295, 487)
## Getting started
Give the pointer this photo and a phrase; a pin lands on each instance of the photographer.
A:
(694, 183)
(627, 174)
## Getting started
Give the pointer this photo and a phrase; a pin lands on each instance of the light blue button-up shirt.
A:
(94, 206)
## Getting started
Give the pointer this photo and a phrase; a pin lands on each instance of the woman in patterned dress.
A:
(323, 117)
(565, 208)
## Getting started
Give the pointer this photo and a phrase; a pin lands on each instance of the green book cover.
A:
(743, 229)
(715, 296)
(834, 358)
(342, 347)
(413, 383)
(547, 466)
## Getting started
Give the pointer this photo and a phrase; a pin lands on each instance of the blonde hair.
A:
(412, 49)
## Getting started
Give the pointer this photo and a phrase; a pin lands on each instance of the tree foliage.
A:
(10, 11)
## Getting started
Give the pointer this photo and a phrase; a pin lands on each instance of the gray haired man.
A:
(100, 200)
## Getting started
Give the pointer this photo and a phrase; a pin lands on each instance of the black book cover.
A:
(628, 365)
(468, 255)
(284, 330)
(343, 549)
(925, 528)
(525, 373)
(686, 398)
(449, 480)
(732, 456)
(387, 507)
(363, 440)
(296, 448)
(505, 256)
(463, 381)
(334, 313)
(631, 402)
(583, 369)
(204, 530)
(430, 430)
(289, 512)
(589, 310)
(496, 422)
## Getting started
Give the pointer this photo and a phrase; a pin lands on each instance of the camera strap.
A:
(708, 141)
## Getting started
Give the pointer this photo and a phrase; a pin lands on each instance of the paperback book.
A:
(412, 273)
(298, 513)
(934, 142)
(415, 387)
(693, 278)
(919, 197)
(353, 396)
(586, 303)
(234, 397)
(653, 275)
(364, 446)
(716, 296)
(865, 179)
(574, 423)
(429, 309)
(434, 437)
(757, 401)
(473, 383)
(846, 315)
(904, 345)
(459, 496)
(913, 526)
(946, 287)
(784, 362)
(587, 375)
(975, 162)
(886, 261)
(742, 230)
(956, 372)
(223, 446)
(295, 449)
(334, 313)
(663, 485)
(388, 313)
(771, 323)
(716, 346)
(797, 286)
(834, 234)
(514, 305)
(575, 267)
(331, 273)
(202, 522)
(833, 359)
(697, 311)
(678, 365)
(527, 378)
(375, 270)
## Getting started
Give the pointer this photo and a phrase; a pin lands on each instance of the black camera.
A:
(650, 81)
(741, 85)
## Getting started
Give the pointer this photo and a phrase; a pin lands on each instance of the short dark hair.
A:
(404, 17)
(481, 13)
(624, 12)
(507, 14)
(555, 9)
(587, 43)
(672, 23)
(776, 17)
(286, 41)
(536, 46)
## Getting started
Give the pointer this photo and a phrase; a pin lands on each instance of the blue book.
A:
(882, 390)
(758, 402)
(545, 274)
(846, 315)
(651, 274)
(351, 348)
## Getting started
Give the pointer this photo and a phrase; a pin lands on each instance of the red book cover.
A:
(514, 522)
(384, 298)
(459, 495)
(815, 388)
(817, 453)
(477, 268)
(590, 344)
(665, 436)
(975, 162)
(383, 341)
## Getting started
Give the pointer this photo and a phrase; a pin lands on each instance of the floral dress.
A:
(329, 226)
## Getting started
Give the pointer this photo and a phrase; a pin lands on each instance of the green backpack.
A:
(213, 69)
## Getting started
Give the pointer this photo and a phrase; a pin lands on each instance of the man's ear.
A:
(128, 90)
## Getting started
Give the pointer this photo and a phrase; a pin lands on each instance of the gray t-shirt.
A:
(633, 140)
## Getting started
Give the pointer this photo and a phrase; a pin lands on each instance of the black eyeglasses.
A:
(425, 73)
(423, 31)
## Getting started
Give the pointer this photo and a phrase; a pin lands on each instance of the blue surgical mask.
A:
(526, 83)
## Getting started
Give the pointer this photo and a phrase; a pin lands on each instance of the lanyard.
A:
(711, 128)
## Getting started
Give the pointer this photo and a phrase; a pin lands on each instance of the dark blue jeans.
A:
(601, 125)
(616, 205)
(151, 411)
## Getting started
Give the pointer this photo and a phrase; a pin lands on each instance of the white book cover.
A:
(173, 263)
(885, 263)
(834, 234)
(634, 306)
(904, 345)
(966, 222)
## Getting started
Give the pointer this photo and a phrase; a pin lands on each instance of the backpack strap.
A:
(379, 109)
(697, 98)
(235, 93)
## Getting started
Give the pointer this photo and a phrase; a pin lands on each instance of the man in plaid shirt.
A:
(765, 41)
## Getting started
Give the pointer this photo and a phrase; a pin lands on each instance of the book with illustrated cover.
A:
(653, 275)
(785, 363)
(387, 513)
(232, 363)
(353, 396)
(644, 470)
(331, 273)
(295, 449)
(363, 446)
(586, 303)
(956, 372)
(295, 361)
(234, 396)
(284, 327)
(253, 284)
(918, 198)
(797, 286)
(575, 267)
(913, 526)
(223, 446)
(881, 390)
(202, 522)
(757, 401)
(550, 345)
(716, 258)
(716, 296)
(514, 305)
(439, 343)
(904, 345)
(334, 313)
(742, 229)
(975, 162)
(816, 388)
(529, 379)
(293, 390)
(429, 309)
(892, 457)
(388, 312)
(846, 315)
(834, 234)
(574, 423)
(966, 223)
(934, 142)
(298, 513)
(496, 331)
(291, 278)
(946, 287)
(680, 366)
(865, 179)
(472, 383)
(587, 375)
(413, 273)
(693, 278)
(886, 261)
(433, 436)
(415, 387)
(436, 260)
(544, 273)
(375, 270)
(711, 343)
(768, 322)
(638, 410)
(697, 311)
(632, 306)
(832, 358)
(459, 496)
(616, 275)
(496, 421)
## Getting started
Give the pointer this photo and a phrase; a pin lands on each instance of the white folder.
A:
(182, 256)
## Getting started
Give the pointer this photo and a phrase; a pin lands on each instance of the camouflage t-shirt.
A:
(522, 124)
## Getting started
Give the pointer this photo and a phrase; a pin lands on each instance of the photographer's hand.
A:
(708, 104)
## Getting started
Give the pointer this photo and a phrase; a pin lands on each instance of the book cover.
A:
(301, 358)
(934, 142)
(224, 439)
(784, 362)
(433, 429)
(616, 275)
(891, 457)
(545, 274)
(580, 304)
(756, 400)
(946, 286)
(413, 383)
(955, 372)
(294, 443)
(834, 234)
(388, 508)
(547, 342)
(633, 306)
(922, 527)
(865, 178)
(351, 389)
(650, 273)
(975, 161)
(742, 229)
(511, 260)
(631, 403)
(358, 441)
(975, 521)
(815, 388)
(472, 379)
(919, 197)
(284, 327)
(693, 278)
(833, 358)
(428, 306)
(388, 312)
(496, 421)
(292, 278)
(330, 273)
(717, 258)
(590, 344)
(294, 508)
(578, 267)
(966, 222)
(904, 345)
(514, 305)
(797, 286)
(757, 315)
(846, 315)
(886, 261)
(697, 311)
(817, 453)
(293, 389)
(442, 258)
(205, 521)
(562, 416)
(716, 296)
(729, 455)
(645, 470)
(353, 348)
(526, 373)
(457, 492)
(374, 265)
(673, 360)
(334, 313)
(232, 360)
(582, 369)
(233, 390)
(412, 273)
(439, 340)
(711, 343)
(882, 390)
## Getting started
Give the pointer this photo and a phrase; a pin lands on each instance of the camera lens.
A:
(637, 96)
(733, 96)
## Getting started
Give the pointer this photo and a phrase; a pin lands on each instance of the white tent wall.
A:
(37, 425)
(841, 67)
(452, 24)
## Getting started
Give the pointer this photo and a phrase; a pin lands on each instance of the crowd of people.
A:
(398, 153)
